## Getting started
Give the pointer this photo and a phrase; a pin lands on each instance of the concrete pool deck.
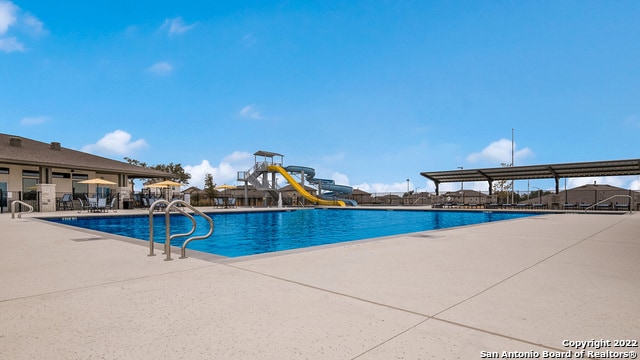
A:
(524, 285)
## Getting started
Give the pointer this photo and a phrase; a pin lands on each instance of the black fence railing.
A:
(30, 197)
(614, 199)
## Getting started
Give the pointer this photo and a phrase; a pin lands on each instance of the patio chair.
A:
(112, 205)
(67, 202)
(231, 202)
(101, 205)
(84, 205)
(92, 203)
(219, 202)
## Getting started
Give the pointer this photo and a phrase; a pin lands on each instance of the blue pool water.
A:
(240, 234)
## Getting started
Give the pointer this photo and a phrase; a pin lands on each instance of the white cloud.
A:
(340, 179)
(12, 17)
(11, 45)
(8, 16)
(499, 152)
(379, 188)
(36, 120)
(226, 171)
(160, 68)
(250, 112)
(238, 157)
(116, 143)
(176, 26)
(33, 25)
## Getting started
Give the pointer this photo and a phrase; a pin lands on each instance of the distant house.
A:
(467, 197)
(192, 190)
(360, 196)
(43, 172)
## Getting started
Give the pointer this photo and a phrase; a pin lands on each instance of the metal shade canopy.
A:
(549, 171)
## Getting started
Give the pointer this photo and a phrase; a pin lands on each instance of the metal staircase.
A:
(252, 176)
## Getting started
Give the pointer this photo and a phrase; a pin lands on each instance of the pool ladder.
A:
(13, 209)
(168, 206)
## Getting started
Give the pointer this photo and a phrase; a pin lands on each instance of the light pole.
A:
(461, 186)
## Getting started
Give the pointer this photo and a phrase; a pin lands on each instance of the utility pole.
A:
(461, 186)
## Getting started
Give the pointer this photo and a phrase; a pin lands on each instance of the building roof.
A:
(22, 151)
(551, 171)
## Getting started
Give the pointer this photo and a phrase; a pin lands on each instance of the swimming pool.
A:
(250, 233)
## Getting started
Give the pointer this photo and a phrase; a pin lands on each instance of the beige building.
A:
(41, 174)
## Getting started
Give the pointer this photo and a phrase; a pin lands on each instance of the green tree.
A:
(209, 187)
(177, 169)
(135, 162)
(503, 188)
(180, 175)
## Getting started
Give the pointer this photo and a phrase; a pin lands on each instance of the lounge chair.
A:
(622, 207)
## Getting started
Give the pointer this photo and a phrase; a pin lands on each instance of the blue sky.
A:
(369, 93)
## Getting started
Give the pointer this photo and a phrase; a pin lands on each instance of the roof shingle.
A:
(20, 150)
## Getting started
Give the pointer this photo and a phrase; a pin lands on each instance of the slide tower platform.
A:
(263, 177)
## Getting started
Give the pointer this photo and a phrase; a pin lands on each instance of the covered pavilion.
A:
(548, 171)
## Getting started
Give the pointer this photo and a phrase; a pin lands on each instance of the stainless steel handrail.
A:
(169, 237)
(183, 251)
(609, 198)
(151, 209)
(13, 209)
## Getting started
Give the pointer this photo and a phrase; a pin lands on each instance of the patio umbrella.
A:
(97, 181)
(165, 184)
(224, 187)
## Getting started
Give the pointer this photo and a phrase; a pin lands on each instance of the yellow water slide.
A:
(302, 190)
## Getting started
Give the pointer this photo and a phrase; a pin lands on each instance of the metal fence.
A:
(30, 197)
(609, 198)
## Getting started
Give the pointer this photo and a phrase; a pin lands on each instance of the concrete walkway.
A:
(523, 285)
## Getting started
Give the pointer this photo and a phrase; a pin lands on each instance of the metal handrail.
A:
(13, 209)
(169, 237)
(151, 208)
(183, 251)
(609, 198)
